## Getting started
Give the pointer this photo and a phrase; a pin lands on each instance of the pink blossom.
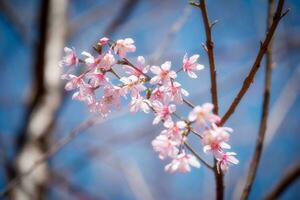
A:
(215, 139)
(103, 41)
(86, 93)
(133, 85)
(139, 103)
(190, 65)
(73, 81)
(165, 147)
(163, 73)
(90, 60)
(203, 114)
(111, 98)
(226, 159)
(97, 79)
(158, 94)
(182, 163)
(175, 91)
(103, 61)
(174, 130)
(107, 61)
(162, 112)
(140, 65)
(123, 46)
(69, 59)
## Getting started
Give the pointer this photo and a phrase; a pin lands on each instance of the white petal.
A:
(155, 69)
(129, 40)
(194, 58)
(199, 67)
(155, 80)
(194, 162)
(192, 74)
(156, 120)
(166, 66)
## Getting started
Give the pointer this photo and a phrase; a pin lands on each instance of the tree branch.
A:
(263, 48)
(265, 112)
(53, 150)
(290, 177)
(209, 48)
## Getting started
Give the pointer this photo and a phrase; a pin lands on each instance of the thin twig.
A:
(290, 177)
(265, 112)
(263, 48)
(209, 47)
(190, 148)
(53, 150)
(210, 53)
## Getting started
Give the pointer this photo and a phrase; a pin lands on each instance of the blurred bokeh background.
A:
(114, 159)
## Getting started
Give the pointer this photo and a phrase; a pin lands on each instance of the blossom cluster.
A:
(148, 88)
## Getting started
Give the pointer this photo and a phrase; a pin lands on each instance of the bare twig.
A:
(209, 46)
(53, 150)
(189, 147)
(289, 178)
(265, 112)
(263, 48)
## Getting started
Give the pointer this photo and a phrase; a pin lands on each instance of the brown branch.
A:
(290, 177)
(265, 112)
(53, 150)
(189, 147)
(219, 177)
(209, 47)
(263, 48)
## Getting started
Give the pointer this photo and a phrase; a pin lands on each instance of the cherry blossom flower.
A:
(140, 65)
(162, 112)
(73, 81)
(69, 59)
(104, 41)
(174, 130)
(107, 61)
(133, 85)
(165, 147)
(163, 73)
(86, 93)
(158, 94)
(190, 65)
(90, 60)
(103, 61)
(203, 114)
(139, 103)
(175, 91)
(182, 163)
(215, 139)
(226, 159)
(123, 46)
(97, 79)
(160, 97)
(111, 98)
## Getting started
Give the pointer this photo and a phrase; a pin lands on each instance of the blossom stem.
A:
(115, 73)
(196, 133)
(137, 69)
(190, 148)
(179, 70)
(190, 104)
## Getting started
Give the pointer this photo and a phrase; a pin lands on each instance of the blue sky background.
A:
(124, 142)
